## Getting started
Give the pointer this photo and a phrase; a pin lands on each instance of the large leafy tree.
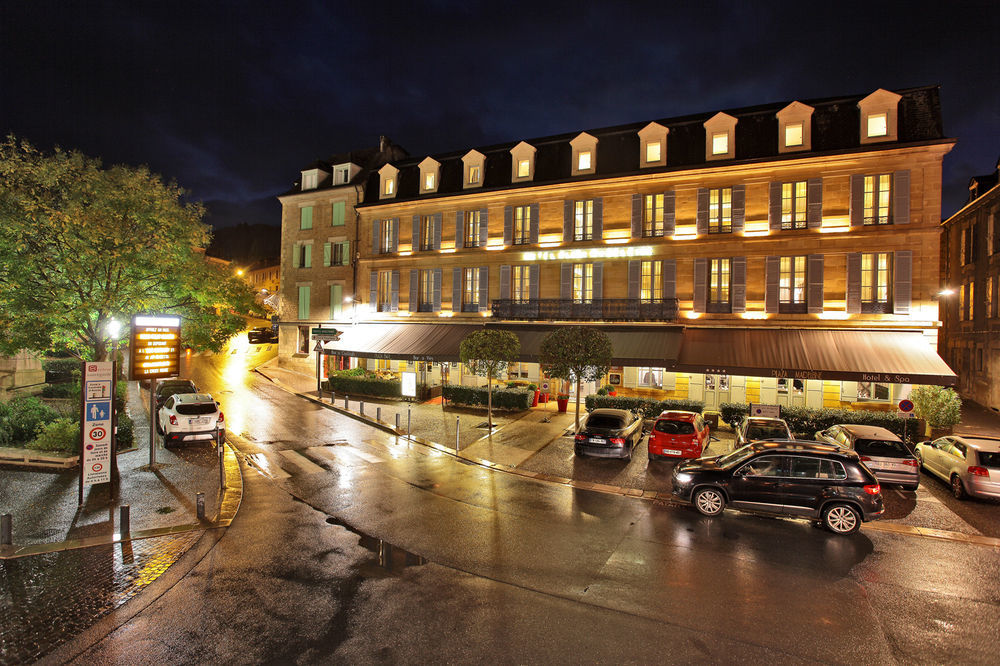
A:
(81, 244)
(487, 353)
(577, 353)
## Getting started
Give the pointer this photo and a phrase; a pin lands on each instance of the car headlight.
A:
(683, 477)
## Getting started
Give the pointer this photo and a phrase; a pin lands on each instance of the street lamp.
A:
(114, 329)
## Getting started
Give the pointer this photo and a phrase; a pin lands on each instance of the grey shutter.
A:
(533, 287)
(597, 286)
(373, 296)
(738, 288)
(700, 285)
(395, 234)
(857, 200)
(669, 279)
(568, 221)
(414, 282)
(484, 222)
(456, 290)
(508, 224)
(598, 218)
(416, 233)
(504, 283)
(701, 222)
(437, 231)
(902, 281)
(814, 284)
(853, 295)
(395, 292)
(814, 203)
(634, 276)
(772, 274)
(774, 208)
(484, 292)
(375, 231)
(636, 216)
(901, 197)
(460, 230)
(566, 281)
(739, 207)
(437, 290)
(669, 215)
(534, 223)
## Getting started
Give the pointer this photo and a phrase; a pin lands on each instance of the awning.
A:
(402, 342)
(654, 346)
(897, 357)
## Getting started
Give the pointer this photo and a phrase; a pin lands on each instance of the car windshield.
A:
(196, 409)
(734, 457)
(173, 390)
(605, 421)
(674, 427)
(884, 448)
(761, 431)
(989, 459)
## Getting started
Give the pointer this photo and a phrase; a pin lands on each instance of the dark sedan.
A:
(609, 433)
(262, 335)
(168, 387)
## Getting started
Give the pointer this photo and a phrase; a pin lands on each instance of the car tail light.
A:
(222, 417)
(865, 459)
(912, 462)
(976, 470)
(173, 420)
(581, 438)
(617, 440)
(873, 490)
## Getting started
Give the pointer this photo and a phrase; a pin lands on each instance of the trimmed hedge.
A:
(477, 396)
(59, 435)
(805, 421)
(648, 407)
(364, 386)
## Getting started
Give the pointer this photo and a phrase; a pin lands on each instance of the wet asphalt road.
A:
(527, 572)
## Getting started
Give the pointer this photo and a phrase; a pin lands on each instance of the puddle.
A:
(387, 558)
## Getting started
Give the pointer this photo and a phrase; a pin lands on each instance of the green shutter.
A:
(303, 303)
(306, 217)
(338, 214)
(326, 253)
(309, 257)
(345, 253)
(336, 300)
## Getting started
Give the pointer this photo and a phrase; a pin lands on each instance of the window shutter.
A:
(774, 209)
(566, 281)
(636, 216)
(484, 292)
(394, 306)
(669, 216)
(534, 223)
(814, 203)
(456, 290)
(375, 230)
(304, 304)
(345, 253)
(437, 231)
(484, 226)
(373, 296)
(902, 281)
(772, 274)
(700, 284)
(901, 197)
(295, 255)
(739, 284)
(701, 222)
(308, 256)
(337, 214)
(568, 220)
(416, 233)
(533, 287)
(597, 286)
(854, 283)
(598, 218)
(414, 298)
(504, 283)
(857, 201)
(460, 230)
(508, 224)
(814, 284)
(739, 208)
(306, 217)
(395, 234)
(669, 279)
(437, 290)
(327, 248)
(634, 276)
(336, 301)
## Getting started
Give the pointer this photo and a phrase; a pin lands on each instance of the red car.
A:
(678, 435)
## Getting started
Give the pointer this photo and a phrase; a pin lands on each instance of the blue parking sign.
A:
(97, 411)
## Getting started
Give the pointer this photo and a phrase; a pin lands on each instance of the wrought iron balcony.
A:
(599, 309)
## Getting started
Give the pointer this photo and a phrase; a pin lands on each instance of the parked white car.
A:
(970, 463)
(190, 417)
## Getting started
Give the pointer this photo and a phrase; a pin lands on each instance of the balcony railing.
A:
(599, 309)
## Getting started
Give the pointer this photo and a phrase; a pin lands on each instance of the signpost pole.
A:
(152, 422)
(319, 381)
(83, 430)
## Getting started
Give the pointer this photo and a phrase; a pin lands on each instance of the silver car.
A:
(757, 428)
(970, 463)
(885, 454)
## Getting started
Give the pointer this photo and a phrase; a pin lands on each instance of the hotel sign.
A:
(592, 253)
(156, 343)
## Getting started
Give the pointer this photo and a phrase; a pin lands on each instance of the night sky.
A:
(231, 100)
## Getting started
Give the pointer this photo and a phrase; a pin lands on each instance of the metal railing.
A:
(599, 309)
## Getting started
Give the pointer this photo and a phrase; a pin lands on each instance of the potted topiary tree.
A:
(577, 354)
(940, 407)
(487, 353)
(534, 400)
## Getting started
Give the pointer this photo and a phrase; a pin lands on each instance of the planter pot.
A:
(934, 433)
(534, 400)
(563, 403)
(612, 393)
(543, 397)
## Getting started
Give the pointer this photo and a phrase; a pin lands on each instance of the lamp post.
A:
(114, 329)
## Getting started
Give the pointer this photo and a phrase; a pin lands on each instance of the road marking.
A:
(300, 461)
(340, 455)
(266, 467)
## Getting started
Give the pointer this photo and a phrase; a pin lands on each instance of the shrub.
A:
(5, 435)
(353, 372)
(939, 406)
(59, 370)
(63, 390)
(23, 417)
(362, 385)
(57, 435)
(733, 412)
(126, 431)
(532, 387)
(648, 407)
(476, 396)
(805, 421)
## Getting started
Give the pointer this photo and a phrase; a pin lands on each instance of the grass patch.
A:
(165, 509)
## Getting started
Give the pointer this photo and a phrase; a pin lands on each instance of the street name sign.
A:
(326, 334)
(156, 345)
(95, 424)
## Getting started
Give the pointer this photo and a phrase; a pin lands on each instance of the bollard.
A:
(378, 414)
(407, 421)
(6, 530)
(458, 426)
(222, 461)
(200, 503)
(397, 420)
(124, 526)
(361, 407)
(345, 401)
(333, 397)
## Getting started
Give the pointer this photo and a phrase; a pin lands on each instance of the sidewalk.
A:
(978, 420)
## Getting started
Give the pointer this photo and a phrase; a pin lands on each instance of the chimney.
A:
(383, 143)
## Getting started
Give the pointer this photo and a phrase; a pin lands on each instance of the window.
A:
(873, 391)
(652, 215)
(713, 382)
(342, 253)
(426, 232)
(584, 160)
(337, 214)
(878, 124)
(878, 193)
(305, 255)
(472, 228)
(523, 168)
(388, 231)
(765, 466)
(653, 151)
(793, 134)
(390, 186)
(520, 284)
(522, 225)
(303, 345)
(709, 382)
(345, 174)
(720, 210)
(994, 233)
(875, 280)
(583, 283)
(304, 302)
(650, 281)
(425, 291)
(384, 291)
(963, 302)
(470, 289)
(792, 284)
(793, 205)
(992, 296)
(583, 220)
(429, 181)
(797, 386)
(972, 300)
(653, 378)
(306, 217)
(474, 174)
(718, 285)
(720, 143)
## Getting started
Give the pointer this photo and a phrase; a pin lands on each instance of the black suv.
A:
(820, 482)
(261, 335)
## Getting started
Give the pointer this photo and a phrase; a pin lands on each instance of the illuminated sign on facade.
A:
(592, 253)
(156, 343)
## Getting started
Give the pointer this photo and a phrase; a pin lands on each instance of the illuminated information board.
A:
(156, 344)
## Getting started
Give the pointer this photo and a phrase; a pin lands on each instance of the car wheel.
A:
(709, 501)
(159, 428)
(957, 487)
(920, 461)
(841, 519)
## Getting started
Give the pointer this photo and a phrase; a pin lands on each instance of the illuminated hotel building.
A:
(783, 253)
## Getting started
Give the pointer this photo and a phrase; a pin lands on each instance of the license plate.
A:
(598, 440)
(671, 452)
(201, 420)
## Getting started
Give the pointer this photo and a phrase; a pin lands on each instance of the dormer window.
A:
(583, 161)
(390, 187)
(309, 179)
(794, 128)
(584, 154)
(523, 168)
(474, 163)
(474, 175)
(653, 149)
(344, 175)
(653, 145)
(878, 124)
(720, 131)
(720, 143)
(793, 135)
(428, 181)
(388, 175)
(522, 162)
(429, 170)
(879, 115)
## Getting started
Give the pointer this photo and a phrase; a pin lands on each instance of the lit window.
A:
(878, 124)
(873, 391)
(583, 283)
(793, 134)
(793, 205)
(651, 377)
(720, 143)
(388, 230)
(390, 186)
(583, 160)
(720, 210)
(875, 280)
(878, 191)
(650, 281)
(426, 232)
(719, 271)
(792, 282)
(472, 228)
(523, 168)
(470, 291)
(522, 225)
(520, 284)
(429, 181)
(583, 221)
(384, 293)
(474, 173)
(653, 151)
(652, 215)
